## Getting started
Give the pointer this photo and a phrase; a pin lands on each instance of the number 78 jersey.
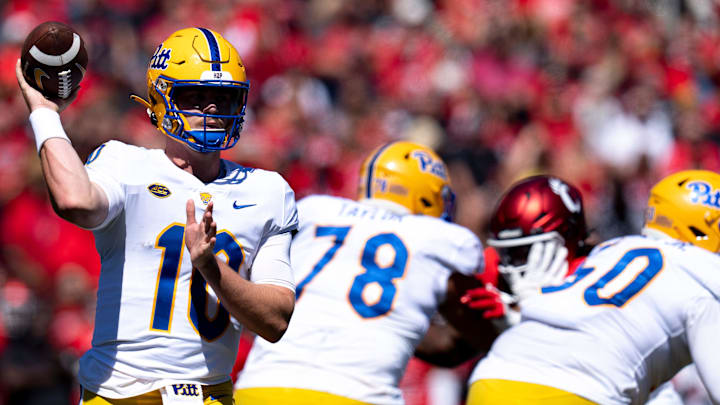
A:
(617, 328)
(367, 283)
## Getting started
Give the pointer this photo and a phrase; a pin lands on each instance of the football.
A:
(54, 59)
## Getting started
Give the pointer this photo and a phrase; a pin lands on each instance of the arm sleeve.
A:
(703, 329)
(272, 262)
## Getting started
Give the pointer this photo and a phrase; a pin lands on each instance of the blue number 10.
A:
(172, 242)
(619, 298)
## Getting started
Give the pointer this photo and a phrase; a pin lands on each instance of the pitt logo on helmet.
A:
(160, 58)
(702, 193)
(158, 190)
(430, 165)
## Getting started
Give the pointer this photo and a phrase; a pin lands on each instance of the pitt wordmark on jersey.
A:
(368, 282)
(156, 318)
(634, 314)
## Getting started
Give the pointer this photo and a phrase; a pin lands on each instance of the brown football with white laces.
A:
(54, 59)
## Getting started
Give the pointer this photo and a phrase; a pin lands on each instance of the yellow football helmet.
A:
(686, 207)
(194, 58)
(410, 175)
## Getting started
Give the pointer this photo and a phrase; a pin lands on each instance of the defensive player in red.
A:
(537, 236)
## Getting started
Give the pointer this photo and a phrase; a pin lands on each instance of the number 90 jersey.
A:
(367, 283)
(156, 319)
(631, 316)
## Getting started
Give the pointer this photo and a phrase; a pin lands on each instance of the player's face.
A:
(207, 100)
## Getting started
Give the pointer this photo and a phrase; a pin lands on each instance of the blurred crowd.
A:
(610, 95)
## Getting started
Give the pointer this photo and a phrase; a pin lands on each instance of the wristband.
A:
(46, 124)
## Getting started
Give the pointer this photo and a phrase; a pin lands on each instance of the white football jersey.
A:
(368, 282)
(633, 314)
(156, 319)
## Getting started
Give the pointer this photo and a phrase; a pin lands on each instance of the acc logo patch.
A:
(205, 197)
(158, 190)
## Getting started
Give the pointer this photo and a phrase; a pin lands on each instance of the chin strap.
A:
(146, 104)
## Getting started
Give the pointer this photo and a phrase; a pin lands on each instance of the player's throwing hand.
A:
(34, 99)
(200, 236)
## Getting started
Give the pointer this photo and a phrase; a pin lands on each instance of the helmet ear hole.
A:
(425, 202)
(698, 233)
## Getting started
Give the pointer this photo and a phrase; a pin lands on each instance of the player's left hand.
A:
(200, 236)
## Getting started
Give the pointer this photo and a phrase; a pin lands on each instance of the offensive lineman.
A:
(169, 311)
(637, 310)
(537, 237)
(370, 275)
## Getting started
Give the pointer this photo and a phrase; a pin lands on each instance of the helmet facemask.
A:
(205, 138)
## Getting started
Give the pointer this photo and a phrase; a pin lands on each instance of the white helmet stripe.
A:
(57, 60)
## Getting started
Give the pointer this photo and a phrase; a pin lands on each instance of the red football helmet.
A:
(537, 209)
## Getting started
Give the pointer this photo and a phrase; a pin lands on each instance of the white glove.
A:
(547, 265)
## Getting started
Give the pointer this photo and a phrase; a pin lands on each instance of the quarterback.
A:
(636, 311)
(370, 275)
(174, 290)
